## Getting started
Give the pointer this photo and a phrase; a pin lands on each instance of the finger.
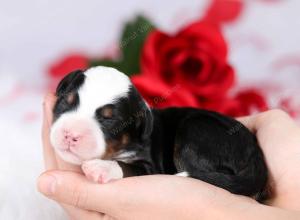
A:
(81, 214)
(74, 189)
(52, 161)
(48, 152)
(260, 120)
(249, 122)
(62, 165)
(278, 133)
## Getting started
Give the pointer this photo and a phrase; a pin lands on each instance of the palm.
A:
(279, 138)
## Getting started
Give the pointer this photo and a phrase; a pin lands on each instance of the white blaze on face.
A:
(76, 135)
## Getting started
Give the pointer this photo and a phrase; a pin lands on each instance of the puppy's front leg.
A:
(102, 171)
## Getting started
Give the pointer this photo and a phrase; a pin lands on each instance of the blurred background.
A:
(263, 47)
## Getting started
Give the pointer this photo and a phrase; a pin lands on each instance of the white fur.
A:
(183, 174)
(102, 86)
(80, 155)
(126, 156)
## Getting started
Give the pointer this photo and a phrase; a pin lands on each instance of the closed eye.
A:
(105, 112)
(66, 103)
(69, 99)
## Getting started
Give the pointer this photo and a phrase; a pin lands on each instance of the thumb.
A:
(74, 189)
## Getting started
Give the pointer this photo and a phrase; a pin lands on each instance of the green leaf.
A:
(131, 43)
(105, 62)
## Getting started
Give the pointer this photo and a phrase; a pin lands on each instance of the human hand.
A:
(53, 162)
(279, 138)
(166, 197)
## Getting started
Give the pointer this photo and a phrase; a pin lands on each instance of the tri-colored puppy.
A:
(102, 123)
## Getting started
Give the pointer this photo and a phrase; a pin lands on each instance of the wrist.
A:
(239, 207)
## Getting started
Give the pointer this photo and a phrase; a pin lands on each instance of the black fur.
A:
(209, 146)
(70, 84)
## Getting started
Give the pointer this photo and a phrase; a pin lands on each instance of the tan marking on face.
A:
(109, 152)
(125, 139)
(107, 112)
(113, 147)
(71, 98)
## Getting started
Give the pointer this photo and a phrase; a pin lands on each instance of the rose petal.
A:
(68, 64)
(149, 60)
(160, 95)
(208, 33)
(217, 86)
(224, 11)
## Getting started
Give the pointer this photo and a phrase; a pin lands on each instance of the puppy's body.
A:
(208, 146)
(102, 122)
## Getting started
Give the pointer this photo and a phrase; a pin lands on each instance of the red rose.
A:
(195, 58)
(64, 66)
(160, 95)
(251, 101)
(68, 64)
(246, 102)
(224, 11)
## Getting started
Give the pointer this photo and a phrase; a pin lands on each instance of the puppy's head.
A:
(98, 114)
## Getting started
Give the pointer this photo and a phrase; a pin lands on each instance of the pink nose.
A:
(70, 139)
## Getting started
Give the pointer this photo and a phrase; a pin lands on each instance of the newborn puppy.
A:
(102, 123)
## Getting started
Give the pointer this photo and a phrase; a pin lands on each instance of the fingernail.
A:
(47, 184)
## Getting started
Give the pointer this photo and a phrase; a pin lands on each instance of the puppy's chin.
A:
(69, 157)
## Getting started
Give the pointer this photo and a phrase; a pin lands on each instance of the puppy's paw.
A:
(102, 171)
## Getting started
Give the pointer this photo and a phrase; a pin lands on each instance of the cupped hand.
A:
(172, 197)
(53, 162)
(279, 138)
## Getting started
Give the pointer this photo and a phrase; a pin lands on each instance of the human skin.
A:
(173, 197)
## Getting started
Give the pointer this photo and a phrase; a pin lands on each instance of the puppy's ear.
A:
(143, 114)
(144, 122)
(147, 123)
(70, 82)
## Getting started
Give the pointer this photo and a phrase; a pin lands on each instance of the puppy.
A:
(102, 123)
